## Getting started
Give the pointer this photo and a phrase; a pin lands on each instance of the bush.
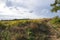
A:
(55, 20)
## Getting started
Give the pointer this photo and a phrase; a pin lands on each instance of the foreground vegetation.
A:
(36, 29)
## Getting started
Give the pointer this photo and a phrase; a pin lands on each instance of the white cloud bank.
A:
(19, 9)
(15, 12)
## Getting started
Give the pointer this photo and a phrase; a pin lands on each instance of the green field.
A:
(30, 29)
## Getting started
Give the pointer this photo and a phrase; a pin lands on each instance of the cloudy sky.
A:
(33, 9)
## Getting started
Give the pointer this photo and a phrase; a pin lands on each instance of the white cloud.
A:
(22, 8)
(18, 12)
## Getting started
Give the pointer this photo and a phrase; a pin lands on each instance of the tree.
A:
(56, 6)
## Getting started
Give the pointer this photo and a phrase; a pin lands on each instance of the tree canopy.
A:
(56, 6)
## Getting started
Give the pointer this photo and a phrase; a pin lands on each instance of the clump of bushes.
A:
(55, 20)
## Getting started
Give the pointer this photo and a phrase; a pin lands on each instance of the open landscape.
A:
(29, 19)
(30, 29)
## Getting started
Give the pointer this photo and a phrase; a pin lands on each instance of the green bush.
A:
(55, 20)
(5, 35)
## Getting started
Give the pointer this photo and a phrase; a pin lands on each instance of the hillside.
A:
(34, 29)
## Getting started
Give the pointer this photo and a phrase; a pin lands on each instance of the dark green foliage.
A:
(56, 6)
(2, 26)
(5, 35)
(30, 34)
(55, 20)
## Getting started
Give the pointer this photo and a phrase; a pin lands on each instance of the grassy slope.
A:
(37, 29)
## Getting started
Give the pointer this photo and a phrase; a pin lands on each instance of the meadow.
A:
(30, 29)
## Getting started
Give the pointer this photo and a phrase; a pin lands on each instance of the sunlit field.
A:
(30, 29)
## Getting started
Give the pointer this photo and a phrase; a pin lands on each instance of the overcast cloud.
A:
(19, 9)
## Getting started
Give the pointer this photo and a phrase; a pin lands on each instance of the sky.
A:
(22, 9)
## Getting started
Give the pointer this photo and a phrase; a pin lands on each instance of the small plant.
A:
(55, 20)
(5, 34)
(30, 34)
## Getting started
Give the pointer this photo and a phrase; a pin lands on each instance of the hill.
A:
(30, 29)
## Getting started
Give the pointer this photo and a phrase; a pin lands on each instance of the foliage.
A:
(36, 29)
(5, 35)
(55, 20)
(56, 6)
(30, 34)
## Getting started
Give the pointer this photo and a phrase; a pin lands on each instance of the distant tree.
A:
(56, 6)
